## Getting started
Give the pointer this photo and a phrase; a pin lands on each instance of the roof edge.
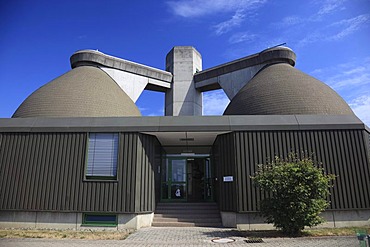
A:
(182, 123)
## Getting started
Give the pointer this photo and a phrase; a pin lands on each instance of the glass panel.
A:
(208, 180)
(104, 218)
(179, 170)
(178, 191)
(208, 174)
(190, 178)
(99, 219)
(165, 173)
(174, 179)
(165, 191)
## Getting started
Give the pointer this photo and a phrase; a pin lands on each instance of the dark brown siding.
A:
(367, 136)
(45, 171)
(342, 152)
(145, 175)
(159, 161)
(224, 163)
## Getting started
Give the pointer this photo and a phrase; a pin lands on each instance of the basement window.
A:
(102, 156)
(95, 219)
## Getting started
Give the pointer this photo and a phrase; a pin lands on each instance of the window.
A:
(91, 219)
(102, 156)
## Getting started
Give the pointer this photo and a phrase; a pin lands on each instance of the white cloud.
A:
(316, 26)
(159, 112)
(197, 8)
(143, 108)
(350, 75)
(289, 21)
(242, 37)
(361, 107)
(310, 38)
(326, 7)
(337, 30)
(214, 102)
(200, 8)
(228, 25)
(348, 26)
(353, 71)
(151, 112)
(330, 6)
(352, 81)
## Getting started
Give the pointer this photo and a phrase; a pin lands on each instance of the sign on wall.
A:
(228, 178)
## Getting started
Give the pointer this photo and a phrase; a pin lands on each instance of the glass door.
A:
(208, 180)
(174, 180)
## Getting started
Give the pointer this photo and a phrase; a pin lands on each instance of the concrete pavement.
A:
(184, 236)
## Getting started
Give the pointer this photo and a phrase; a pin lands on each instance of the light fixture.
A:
(186, 139)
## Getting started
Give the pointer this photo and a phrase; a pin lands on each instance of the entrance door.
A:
(174, 180)
(200, 181)
(208, 180)
(187, 179)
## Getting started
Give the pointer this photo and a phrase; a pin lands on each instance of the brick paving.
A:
(184, 236)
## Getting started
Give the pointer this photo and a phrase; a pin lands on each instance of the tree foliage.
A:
(297, 190)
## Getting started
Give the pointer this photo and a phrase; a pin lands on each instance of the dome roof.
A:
(85, 91)
(281, 89)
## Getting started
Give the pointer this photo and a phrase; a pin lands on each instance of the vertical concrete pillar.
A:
(183, 99)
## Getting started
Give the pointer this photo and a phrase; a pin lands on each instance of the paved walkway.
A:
(187, 236)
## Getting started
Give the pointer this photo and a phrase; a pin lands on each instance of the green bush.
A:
(297, 190)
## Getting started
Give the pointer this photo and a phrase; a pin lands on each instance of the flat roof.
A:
(182, 123)
(180, 134)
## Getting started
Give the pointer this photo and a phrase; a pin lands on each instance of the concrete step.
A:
(184, 224)
(188, 211)
(194, 220)
(211, 207)
(187, 204)
(187, 215)
(185, 207)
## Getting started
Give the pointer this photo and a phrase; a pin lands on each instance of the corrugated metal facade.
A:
(367, 135)
(45, 171)
(224, 165)
(342, 152)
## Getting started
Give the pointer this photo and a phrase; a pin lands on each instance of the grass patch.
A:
(345, 231)
(64, 234)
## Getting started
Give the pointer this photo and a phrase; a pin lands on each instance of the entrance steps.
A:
(204, 214)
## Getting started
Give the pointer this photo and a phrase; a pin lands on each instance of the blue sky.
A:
(330, 37)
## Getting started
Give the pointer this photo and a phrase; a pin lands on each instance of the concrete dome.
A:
(82, 92)
(281, 89)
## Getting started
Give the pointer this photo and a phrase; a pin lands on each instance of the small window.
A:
(90, 219)
(102, 156)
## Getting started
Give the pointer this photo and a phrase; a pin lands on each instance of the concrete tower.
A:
(183, 99)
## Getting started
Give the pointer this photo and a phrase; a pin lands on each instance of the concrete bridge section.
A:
(183, 81)
(132, 77)
(232, 76)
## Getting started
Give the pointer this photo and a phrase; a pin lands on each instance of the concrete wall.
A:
(183, 99)
(72, 221)
(232, 82)
(334, 219)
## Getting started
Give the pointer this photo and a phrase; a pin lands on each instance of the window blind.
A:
(102, 155)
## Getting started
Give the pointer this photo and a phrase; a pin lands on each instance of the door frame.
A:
(169, 182)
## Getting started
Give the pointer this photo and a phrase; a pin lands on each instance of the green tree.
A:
(297, 190)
